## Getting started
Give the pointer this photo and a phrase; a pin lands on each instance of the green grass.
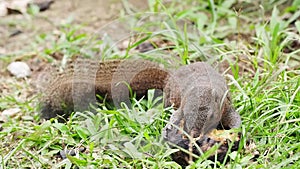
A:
(257, 43)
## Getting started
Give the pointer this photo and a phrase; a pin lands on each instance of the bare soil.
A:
(18, 31)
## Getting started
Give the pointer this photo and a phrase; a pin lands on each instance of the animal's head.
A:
(202, 108)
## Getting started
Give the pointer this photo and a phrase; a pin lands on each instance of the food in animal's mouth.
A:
(224, 140)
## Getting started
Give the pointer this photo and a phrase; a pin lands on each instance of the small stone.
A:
(19, 5)
(3, 9)
(11, 112)
(63, 153)
(19, 69)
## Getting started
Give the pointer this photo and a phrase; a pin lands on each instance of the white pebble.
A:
(11, 112)
(19, 69)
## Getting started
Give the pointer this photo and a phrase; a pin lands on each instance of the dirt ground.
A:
(93, 14)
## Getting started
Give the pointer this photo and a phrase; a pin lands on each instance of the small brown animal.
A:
(197, 91)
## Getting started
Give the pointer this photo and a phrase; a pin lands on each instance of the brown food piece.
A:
(205, 143)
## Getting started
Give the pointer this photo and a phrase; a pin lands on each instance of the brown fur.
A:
(198, 93)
